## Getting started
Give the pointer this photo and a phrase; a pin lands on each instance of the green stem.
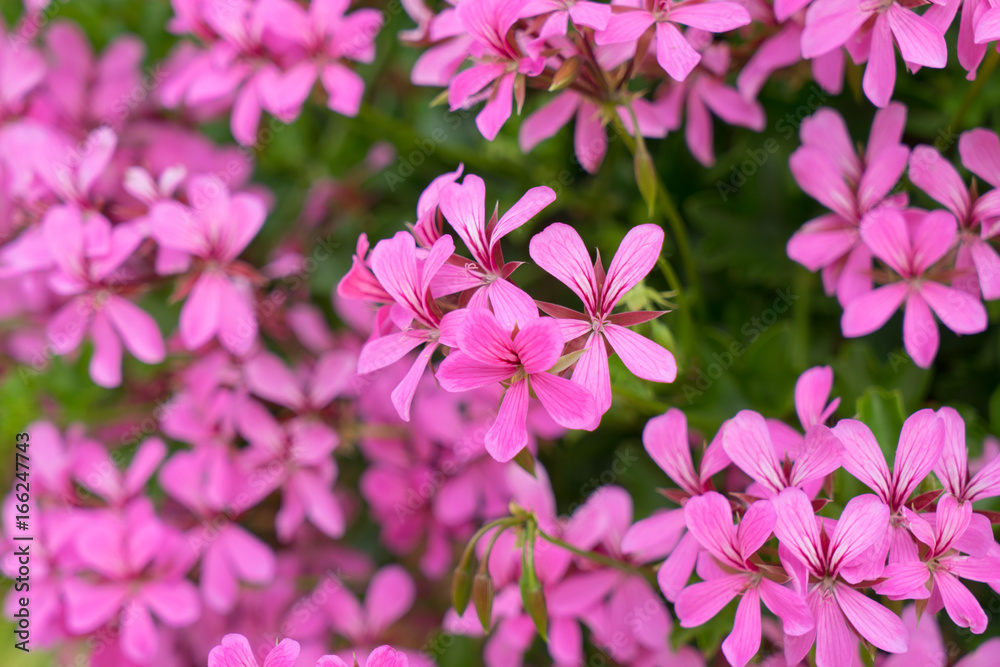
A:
(506, 522)
(982, 76)
(600, 559)
(673, 215)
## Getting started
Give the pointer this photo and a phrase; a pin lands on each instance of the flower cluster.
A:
(432, 297)
(765, 536)
(940, 261)
(678, 55)
(267, 55)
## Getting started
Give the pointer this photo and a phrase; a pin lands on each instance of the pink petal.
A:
(744, 641)
(919, 41)
(106, 364)
(822, 455)
(200, 315)
(139, 638)
(174, 603)
(385, 350)
(748, 443)
(509, 434)
(233, 651)
(821, 178)
(666, 441)
(345, 89)
(511, 304)
(674, 53)
(137, 330)
(812, 390)
(960, 312)
(699, 603)
(559, 251)
(862, 524)
(625, 26)
(822, 241)
(711, 17)
(932, 238)
(961, 604)
(698, 130)
(885, 232)
(980, 150)
(385, 656)
(829, 25)
(710, 519)
(634, 259)
(498, 108)
(881, 175)
(920, 332)
(548, 120)
(673, 575)
(795, 527)
(283, 655)
(937, 177)
(641, 356)
(592, 372)
(527, 207)
(920, 445)
(786, 604)
(872, 621)
(568, 403)
(880, 74)
(862, 456)
(460, 372)
(539, 345)
(390, 595)
(483, 338)
(590, 141)
(402, 395)
(867, 313)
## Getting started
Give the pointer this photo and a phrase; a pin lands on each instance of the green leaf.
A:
(884, 414)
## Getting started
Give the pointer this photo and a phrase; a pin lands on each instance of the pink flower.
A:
(832, 23)
(667, 442)
(327, 37)
(938, 178)
(488, 353)
(834, 603)
(673, 51)
(747, 441)
(383, 656)
(952, 469)
(408, 281)
(918, 450)
(90, 257)
(829, 169)
(941, 566)
(703, 94)
(138, 565)
(216, 230)
(710, 518)
(235, 651)
(464, 208)
(498, 64)
(560, 251)
(911, 245)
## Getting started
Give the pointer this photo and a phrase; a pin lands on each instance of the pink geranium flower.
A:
(463, 206)
(666, 440)
(829, 169)
(710, 518)
(673, 50)
(235, 651)
(918, 450)
(937, 177)
(499, 62)
(408, 280)
(832, 23)
(816, 562)
(748, 443)
(216, 229)
(560, 251)
(911, 245)
(936, 573)
(327, 36)
(488, 353)
(90, 257)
